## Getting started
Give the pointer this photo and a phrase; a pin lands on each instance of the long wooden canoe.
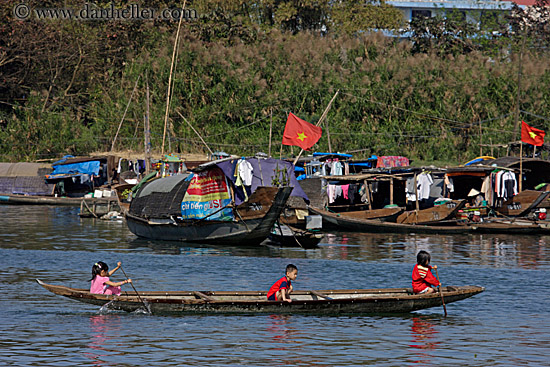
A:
(344, 222)
(12, 199)
(489, 225)
(330, 302)
(511, 226)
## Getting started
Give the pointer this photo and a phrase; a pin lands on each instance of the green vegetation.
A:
(64, 85)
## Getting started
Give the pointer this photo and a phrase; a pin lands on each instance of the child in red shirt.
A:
(422, 277)
(280, 291)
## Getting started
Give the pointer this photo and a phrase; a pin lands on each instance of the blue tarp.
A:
(343, 155)
(62, 160)
(74, 169)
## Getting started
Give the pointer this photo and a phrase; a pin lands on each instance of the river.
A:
(507, 325)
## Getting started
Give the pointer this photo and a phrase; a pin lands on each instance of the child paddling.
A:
(422, 277)
(100, 279)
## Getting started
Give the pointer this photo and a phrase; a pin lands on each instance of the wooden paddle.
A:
(132, 284)
(441, 292)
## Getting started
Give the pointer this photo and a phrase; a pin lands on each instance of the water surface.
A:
(507, 325)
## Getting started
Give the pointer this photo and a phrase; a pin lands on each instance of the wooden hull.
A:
(506, 226)
(255, 220)
(50, 200)
(123, 204)
(384, 214)
(432, 215)
(288, 236)
(523, 203)
(511, 226)
(343, 222)
(328, 302)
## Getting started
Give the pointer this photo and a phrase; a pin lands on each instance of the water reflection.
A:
(282, 332)
(101, 345)
(508, 324)
(196, 249)
(424, 339)
(526, 251)
(60, 229)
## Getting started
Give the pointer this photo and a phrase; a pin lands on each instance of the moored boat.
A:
(511, 226)
(345, 222)
(211, 206)
(523, 203)
(329, 302)
(432, 215)
(383, 214)
(487, 225)
(252, 224)
(288, 236)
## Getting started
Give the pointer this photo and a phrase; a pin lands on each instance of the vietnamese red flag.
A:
(532, 136)
(300, 132)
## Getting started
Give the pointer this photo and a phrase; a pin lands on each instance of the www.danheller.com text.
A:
(90, 12)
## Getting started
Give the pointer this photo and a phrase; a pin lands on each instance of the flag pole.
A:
(520, 165)
(323, 116)
(168, 93)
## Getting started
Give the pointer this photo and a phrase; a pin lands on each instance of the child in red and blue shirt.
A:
(422, 277)
(283, 287)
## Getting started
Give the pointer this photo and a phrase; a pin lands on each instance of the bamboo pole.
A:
(323, 116)
(518, 94)
(270, 130)
(147, 132)
(391, 190)
(480, 140)
(124, 114)
(168, 93)
(416, 194)
(368, 193)
(328, 137)
(196, 132)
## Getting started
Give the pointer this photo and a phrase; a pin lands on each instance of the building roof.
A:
(460, 4)
(25, 169)
(525, 2)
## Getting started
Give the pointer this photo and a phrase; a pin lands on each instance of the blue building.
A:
(473, 10)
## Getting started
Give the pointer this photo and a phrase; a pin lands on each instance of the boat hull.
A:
(522, 203)
(433, 215)
(327, 302)
(504, 226)
(343, 222)
(10, 199)
(244, 231)
(287, 236)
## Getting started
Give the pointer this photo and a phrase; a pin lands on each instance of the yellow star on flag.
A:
(302, 136)
(532, 135)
